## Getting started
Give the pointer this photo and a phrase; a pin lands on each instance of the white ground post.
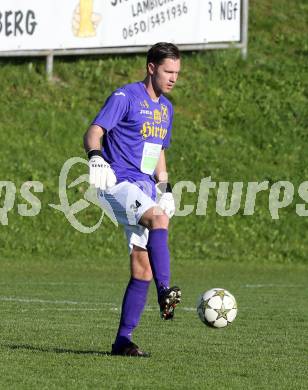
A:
(49, 66)
(244, 32)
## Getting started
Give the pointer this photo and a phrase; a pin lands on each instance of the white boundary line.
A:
(55, 302)
(112, 306)
(257, 285)
(67, 302)
(272, 285)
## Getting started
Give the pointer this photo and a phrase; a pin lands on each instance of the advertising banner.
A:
(72, 24)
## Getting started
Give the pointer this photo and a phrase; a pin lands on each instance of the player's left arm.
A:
(164, 190)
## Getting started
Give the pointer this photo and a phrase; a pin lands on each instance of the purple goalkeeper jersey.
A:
(136, 130)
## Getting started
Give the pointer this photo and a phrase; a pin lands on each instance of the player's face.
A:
(164, 76)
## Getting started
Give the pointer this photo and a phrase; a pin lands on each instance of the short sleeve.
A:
(167, 140)
(113, 111)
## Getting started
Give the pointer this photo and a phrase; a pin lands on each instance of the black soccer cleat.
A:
(168, 299)
(130, 350)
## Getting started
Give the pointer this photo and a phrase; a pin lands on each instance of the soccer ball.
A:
(217, 308)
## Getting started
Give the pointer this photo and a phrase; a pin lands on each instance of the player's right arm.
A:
(101, 175)
(114, 109)
(92, 139)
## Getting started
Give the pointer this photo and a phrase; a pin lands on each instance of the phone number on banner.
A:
(155, 20)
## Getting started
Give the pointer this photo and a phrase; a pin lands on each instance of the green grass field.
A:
(58, 320)
(61, 290)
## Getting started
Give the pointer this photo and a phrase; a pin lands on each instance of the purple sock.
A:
(132, 307)
(159, 257)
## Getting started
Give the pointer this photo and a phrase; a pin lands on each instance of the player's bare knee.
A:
(160, 221)
(155, 218)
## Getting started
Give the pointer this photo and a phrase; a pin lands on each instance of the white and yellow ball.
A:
(217, 308)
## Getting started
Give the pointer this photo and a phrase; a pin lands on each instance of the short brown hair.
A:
(162, 50)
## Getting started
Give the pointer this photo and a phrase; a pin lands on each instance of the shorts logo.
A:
(164, 113)
(135, 206)
(157, 116)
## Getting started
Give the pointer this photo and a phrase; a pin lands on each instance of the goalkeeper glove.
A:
(101, 174)
(165, 198)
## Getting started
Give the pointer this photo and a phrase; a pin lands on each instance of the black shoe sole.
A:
(131, 350)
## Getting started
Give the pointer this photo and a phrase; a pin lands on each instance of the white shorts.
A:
(125, 203)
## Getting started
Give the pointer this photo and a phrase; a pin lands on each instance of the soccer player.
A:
(126, 146)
